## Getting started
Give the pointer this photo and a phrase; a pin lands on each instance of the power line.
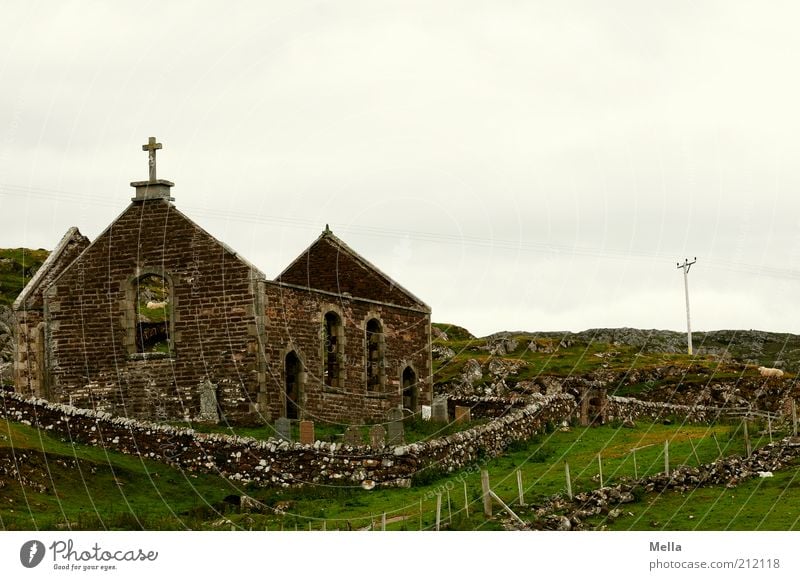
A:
(9, 190)
(685, 267)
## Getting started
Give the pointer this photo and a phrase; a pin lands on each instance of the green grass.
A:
(580, 360)
(17, 267)
(415, 430)
(89, 488)
(107, 490)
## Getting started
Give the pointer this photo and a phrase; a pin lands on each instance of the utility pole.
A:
(686, 266)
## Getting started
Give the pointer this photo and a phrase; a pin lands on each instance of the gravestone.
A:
(462, 414)
(208, 402)
(377, 437)
(283, 429)
(352, 436)
(397, 433)
(307, 436)
(426, 412)
(439, 410)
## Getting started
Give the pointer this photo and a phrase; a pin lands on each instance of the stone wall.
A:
(30, 356)
(90, 317)
(294, 320)
(281, 463)
(485, 407)
(622, 408)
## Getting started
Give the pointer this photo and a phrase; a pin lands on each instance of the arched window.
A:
(153, 314)
(293, 369)
(333, 352)
(375, 355)
(410, 388)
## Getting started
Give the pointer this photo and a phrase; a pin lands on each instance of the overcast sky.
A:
(517, 165)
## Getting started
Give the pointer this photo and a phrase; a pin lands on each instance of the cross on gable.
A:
(151, 147)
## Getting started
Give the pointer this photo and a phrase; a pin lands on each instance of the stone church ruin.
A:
(157, 319)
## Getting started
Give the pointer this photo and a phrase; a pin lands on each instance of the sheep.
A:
(768, 372)
(156, 305)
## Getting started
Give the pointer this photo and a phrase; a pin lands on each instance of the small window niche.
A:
(153, 315)
(375, 356)
(333, 350)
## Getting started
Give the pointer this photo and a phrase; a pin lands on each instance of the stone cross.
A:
(151, 148)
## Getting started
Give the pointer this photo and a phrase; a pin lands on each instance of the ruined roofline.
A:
(329, 235)
(257, 274)
(423, 309)
(34, 283)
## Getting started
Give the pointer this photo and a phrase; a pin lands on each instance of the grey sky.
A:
(518, 165)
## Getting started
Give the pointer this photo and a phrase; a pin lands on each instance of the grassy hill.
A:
(51, 484)
(17, 266)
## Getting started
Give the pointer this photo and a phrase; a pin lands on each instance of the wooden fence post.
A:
(505, 507)
(466, 499)
(794, 418)
(719, 449)
(666, 457)
(383, 522)
(519, 488)
(569, 479)
(600, 465)
(449, 509)
(635, 467)
(694, 451)
(438, 510)
(487, 500)
(747, 446)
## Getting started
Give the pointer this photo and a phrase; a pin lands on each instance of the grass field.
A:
(89, 488)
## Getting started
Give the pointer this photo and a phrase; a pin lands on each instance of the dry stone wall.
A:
(623, 408)
(281, 463)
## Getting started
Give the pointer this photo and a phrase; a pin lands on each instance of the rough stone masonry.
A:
(157, 319)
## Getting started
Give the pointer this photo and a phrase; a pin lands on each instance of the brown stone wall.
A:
(30, 364)
(294, 321)
(91, 313)
(29, 353)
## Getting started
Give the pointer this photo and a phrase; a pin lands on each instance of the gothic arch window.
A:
(153, 314)
(410, 387)
(375, 353)
(333, 350)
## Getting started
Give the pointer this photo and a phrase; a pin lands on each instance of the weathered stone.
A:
(396, 431)
(352, 436)
(377, 437)
(219, 320)
(208, 402)
(307, 436)
(439, 410)
(283, 429)
(462, 414)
